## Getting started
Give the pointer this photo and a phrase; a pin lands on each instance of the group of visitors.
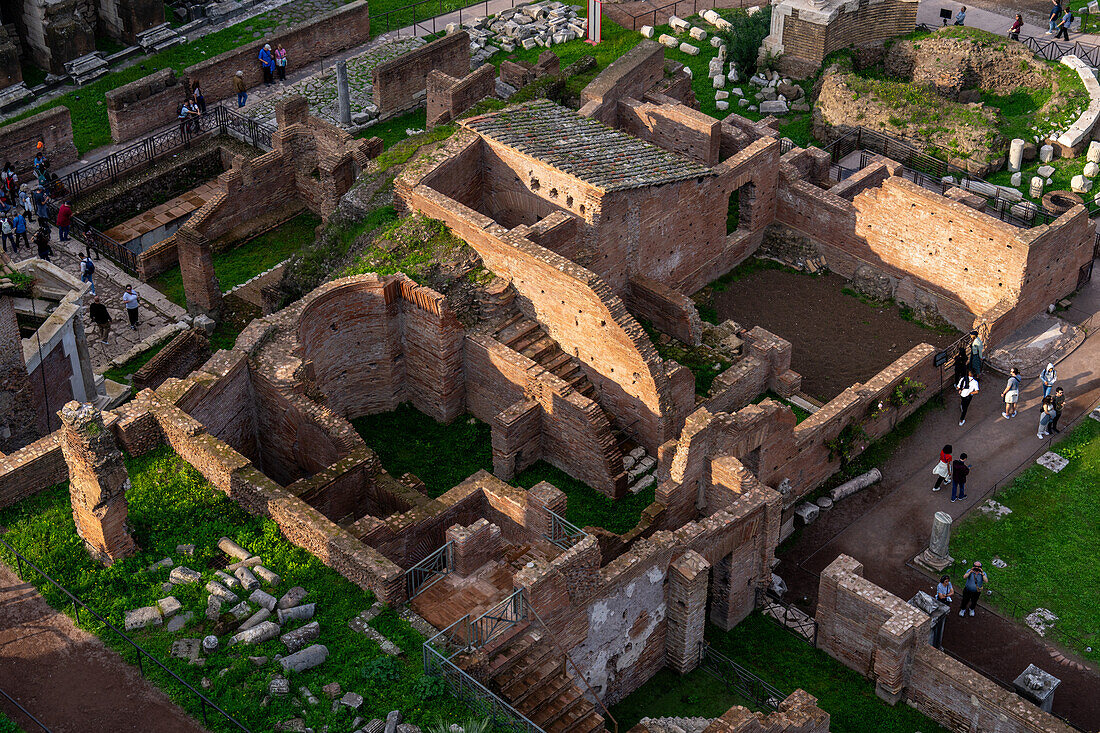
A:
(974, 581)
(1050, 409)
(191, 110)
(20, 205)
(101, 317)
(1060, 20)
(954, 471)
(272, 64)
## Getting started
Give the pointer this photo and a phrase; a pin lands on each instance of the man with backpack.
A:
(87, 269)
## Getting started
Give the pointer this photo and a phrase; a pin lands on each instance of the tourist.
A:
(960, 17)
(280, 61)
(242, 90)
(1014, 31)
(87, 269)
(943, 468)
(1046, 417)
(200, 100)
(7, 231)
(1059, 401)
(960, 469)
(967, 387)
(64, 221)
(102, 320)
(1011, 394)
(9, 180)
(1062, 28)
(267, 64)
(26, 200)
(945, 590)
(41, 167)
(130, 300)
(977, 346)
(184, 116)
(20, 224)
(962, 365)
(975, 579)
(1048, 378)
(41, 201)
(42, 239)
(1055, 14)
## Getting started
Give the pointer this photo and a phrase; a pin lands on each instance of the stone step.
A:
(87, 68)
(566, 711)
(515, 331)
(512, 677)
(541, 349)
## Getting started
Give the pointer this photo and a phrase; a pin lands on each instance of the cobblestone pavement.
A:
(317, 83)
(110, 281)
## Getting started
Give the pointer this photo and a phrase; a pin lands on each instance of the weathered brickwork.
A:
(30, 469)
(630, 75)
(401, 83)
(449, 97)
(18, 400)
(144, 105)
(53, 127)
(183, 355)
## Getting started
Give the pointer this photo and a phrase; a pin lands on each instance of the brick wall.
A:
(808, 39)
(449, 97)
(31, 469)
(399, 82)
(183, 354)
(884, 638)
(345, 27)
(51, 383)
(123, 20)
(144, 105)
(798, 713)
(54, 127)
(630, 75)
(669, 311)
(677, 127)
(18, 399)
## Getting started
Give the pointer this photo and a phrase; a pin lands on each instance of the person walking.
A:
(64, 221)
(961, 364)
(1014, 31)
(1046, 417)
(267, 64)
(42, 240)
(943, 468)
(960, 469)
(87, 269)
(41, 201)
(7, 232)
(200, 100)
(975, 579)
(1048, 378)
(960, 17)
(102, 320)
(20, 224)
(280, 61)
(945, 590)
(1011, 394)
(130, 300)
(1062, 29)
(967, 387)
(977, 348)
(1055, 14)
(1059, 401)
(242, 90)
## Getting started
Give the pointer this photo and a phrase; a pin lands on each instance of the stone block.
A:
(307, 658)
(266, 575)
(647, 31)
(266, 600)
(169, 606)
(300, 637)
(182, 575)
(258, 634)
(668, 41)
(807, 512)
(297, 613)
(1046, 153)
(292, 597)
(140, 618)
(698, 33)
(776, 107)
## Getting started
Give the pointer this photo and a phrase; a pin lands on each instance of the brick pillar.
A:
(18, 409)
(540, 497)
(473, 546)
(516, 433)
(200, 283)
(97, 482)
(687, 610)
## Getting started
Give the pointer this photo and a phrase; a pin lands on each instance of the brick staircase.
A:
(527, 670)
(528, 337)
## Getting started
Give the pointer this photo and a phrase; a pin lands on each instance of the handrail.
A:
(77, 604)
(569, 660)
(26, 712)
(774, 695)
(482, 692)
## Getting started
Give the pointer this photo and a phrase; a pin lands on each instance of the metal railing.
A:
(25, 712)
(78, 604)
(497, 620)
(756, 690)
(429, 571)
(563, 533)
(798, 622)
(98, 242)
(409, 17)
(681, 8)
(1048, 48)
(217, 120)
(501, 715)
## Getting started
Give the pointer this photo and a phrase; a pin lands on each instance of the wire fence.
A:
(25, 712)
(141, 653)
(753, 688)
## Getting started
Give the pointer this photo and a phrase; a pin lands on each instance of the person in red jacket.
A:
(64, 221)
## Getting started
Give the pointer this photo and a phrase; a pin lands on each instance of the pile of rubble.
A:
(525, 26)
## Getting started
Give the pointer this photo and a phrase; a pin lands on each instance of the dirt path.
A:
(67, 678)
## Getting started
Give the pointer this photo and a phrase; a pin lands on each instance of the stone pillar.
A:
(200, 283)
(687, 610)
(343, 97)
(937, 557)
(18, 407)
(540, 497)
(97, 483)
(1015, 155)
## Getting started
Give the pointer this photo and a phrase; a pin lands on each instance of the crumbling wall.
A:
(798, 713)
(144, 105)
(674, 127)
(31, 469)
(400, 83)
(630, 75)
(123, 20)
(448, 97)
(184, 354)
(668, 310)
(18, 399)
(54, 32)
(53, 127)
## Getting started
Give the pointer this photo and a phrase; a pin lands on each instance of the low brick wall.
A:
(183, 354)
(668, 310)
(630, 75)
(54, 127)
(31, 469)
(143, 105)
(399, 82)
(449, 97)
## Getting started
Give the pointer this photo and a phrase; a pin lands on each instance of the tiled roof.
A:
(587, 149)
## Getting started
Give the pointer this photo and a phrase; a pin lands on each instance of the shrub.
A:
(426, 689)
(744, 39)
(381, 670)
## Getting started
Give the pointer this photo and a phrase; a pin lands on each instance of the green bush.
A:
(427, 689)
(382, 670)
(744, 39)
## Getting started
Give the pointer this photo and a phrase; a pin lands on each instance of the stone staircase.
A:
(528, 671)
(87, 68)
(528, 337)
(640, 468)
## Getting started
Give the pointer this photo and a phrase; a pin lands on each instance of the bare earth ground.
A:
(838, 340)
(67, 678)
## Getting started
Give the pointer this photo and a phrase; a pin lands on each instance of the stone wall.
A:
(123, 20)
(448, 97)
(400, 83)
(144, 105)
(183, 354)
(884, 638)
(54, 32)
(798, 713)
(31, 469)
(11, 71)
(18, 400)
(18, 141)
(674, 127)
(337, 30)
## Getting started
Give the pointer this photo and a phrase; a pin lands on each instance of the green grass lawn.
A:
(588, 507)
(786, 662)
(1051, 542)
(122, 374)
(245, 261)
(171, 504)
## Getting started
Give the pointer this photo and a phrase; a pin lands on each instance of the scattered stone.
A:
(1016, 178)
(178, 622)
(721, 95)
(1053, 461)
(298, 613)
(183, 575)
(165, 563)
(278, 686)
(219, 591)
(689, 49)
(698, 33)
(332, 690)
(260, 598)
(294, 725)
(387, 646)
(307, 658)
(262, 615)
(209, 643)
(807, 512)
(248, 580)
(1091, 170)
(169, 606)
(292, 597)
(167, 587)
(307, 696)
(227, 580)
(999, 563)
(205, 683)
(300, 637)
(139, 618)
(247, 563)
(1035, 190)
(668, 41)
(777, 107)
(1046, 154)
(258, 661)
(392, 721)
(241, 611)
(647, 31)
(1040, 620)
(258, 634)
(185, 549)
(858, 483)
(718, 82)
(231, 548)
(994, 508)
(825, 503)
(646, 481)
(266, 575)
(188, 649)
(352, 700)
(213, 608)
(678, 24)
(1080, 184)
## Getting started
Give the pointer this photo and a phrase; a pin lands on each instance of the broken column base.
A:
(104, 533)
(933, 562)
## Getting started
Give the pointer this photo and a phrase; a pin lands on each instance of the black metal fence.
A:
(427, 15)
(758, 691)
(681, 8)
(141, 654)
(25, 712)
(798, 622)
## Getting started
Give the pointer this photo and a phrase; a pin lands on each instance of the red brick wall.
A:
(398, 81)
(144, 105)
(19, 402)
(449, 97)
(18, 140)
(185, 353)
(630, 75)
(223, 405)
(343, 28)
(668, 310)
(678, 128)
(31, 469)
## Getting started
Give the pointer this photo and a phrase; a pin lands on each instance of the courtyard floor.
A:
(838, 339)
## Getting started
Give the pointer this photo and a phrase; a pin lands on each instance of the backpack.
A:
(89, 267)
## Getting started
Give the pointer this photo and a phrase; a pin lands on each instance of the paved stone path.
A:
(67, 678)
(928, 12)
(885, 526)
